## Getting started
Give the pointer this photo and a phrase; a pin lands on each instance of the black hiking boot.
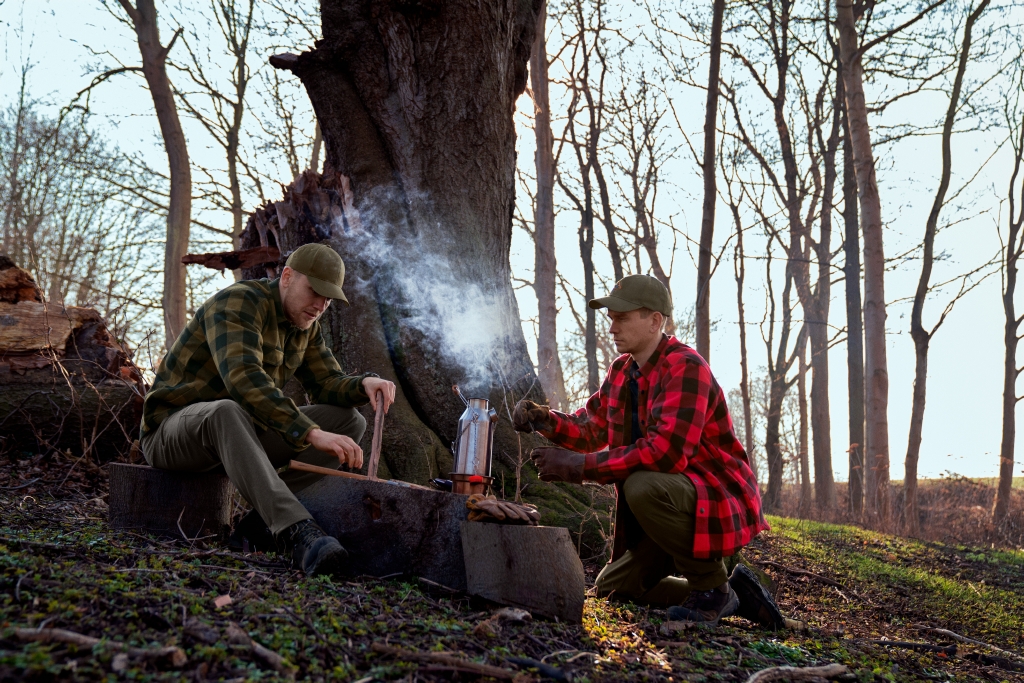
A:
(756, 603)
(313, 551)
(252, 535)
(706, 607)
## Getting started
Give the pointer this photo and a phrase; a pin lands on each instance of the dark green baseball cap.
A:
(636, 291)
(322, 266)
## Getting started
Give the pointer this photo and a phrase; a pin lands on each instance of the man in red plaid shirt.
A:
(659, 429)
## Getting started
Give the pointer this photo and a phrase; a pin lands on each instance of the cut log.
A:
(533, 567)
(173, 504)
(390, 529)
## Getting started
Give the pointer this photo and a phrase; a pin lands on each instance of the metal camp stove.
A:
(473, 446)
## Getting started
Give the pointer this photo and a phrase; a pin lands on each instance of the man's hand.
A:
(530, 417)
(375, 386)
(347, 450)
(559, 464)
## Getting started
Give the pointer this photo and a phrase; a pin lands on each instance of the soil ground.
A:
(61, 566)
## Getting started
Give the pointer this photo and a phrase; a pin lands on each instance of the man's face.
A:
(632, 333)
(302, 305)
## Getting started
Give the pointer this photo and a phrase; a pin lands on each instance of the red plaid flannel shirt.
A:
(686, 429)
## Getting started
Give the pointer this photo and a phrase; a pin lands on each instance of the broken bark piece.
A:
(532, 567)
(233, 260)
(186, 505)
(174, 656)
(17, 284)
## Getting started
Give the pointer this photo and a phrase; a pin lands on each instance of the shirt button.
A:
(702, 511)
(295, 434)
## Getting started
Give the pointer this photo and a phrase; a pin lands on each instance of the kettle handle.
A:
(492, 415)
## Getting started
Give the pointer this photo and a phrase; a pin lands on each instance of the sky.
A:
(60, 38)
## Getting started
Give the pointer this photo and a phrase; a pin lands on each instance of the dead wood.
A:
(948, 650)
(233, 260)
(16, 284)
(795, 673)
(174, 656)
(236, 636)
(444, 660)
(965, 639)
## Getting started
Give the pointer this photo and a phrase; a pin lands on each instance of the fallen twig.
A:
(965, 639)
(236, 636)
(804, 572)
(796, 673)
(948, 650)
(992, 660)
(543, 669)
(15, 488)
(445, 660)
(174, 656)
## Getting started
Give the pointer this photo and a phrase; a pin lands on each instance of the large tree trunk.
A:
(179, 214)
(707, 224)
(415, 103)
(854, 329)
(877, 372)
(549, 366)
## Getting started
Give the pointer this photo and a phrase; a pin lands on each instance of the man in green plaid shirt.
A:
(218, 402)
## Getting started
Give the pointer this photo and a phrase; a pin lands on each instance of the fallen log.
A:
(796, 673)
(233, 260)
(65, 381)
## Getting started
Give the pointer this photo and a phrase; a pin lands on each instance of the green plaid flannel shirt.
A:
(239, 345)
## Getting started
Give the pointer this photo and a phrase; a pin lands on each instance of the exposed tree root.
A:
(796, 673)
(174, 656)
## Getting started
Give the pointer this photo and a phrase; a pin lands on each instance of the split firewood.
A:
(174, 656)
(796, 673)
(445, 660)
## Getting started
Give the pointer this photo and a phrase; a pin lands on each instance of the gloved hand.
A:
(559, 464)
(527, 416)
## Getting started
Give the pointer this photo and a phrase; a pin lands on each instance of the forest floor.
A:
(62, 567)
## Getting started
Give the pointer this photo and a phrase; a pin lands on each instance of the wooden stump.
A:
(170, 503)
(391, 529)
(532, 567)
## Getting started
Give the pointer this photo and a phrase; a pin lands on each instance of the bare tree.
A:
(1012, 248)
(549, 366)
(922, 337)
(143, 20)
(708, 167)
(806, 493)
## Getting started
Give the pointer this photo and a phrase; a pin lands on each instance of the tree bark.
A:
(854, 328)
(922, 337)
(549, 366)
(179, 215)
(876, 365)
(805, 465)
(1012, 250)
(741, 273)
(707, 224)
(415, 104)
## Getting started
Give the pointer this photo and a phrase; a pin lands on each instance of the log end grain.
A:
(533, 567)
(160, 501)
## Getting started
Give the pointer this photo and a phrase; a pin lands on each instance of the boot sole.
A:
(727, 611)
(755, 602)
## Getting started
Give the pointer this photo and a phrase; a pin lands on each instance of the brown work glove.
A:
(489, 509)
(559, 464)
(530, 417)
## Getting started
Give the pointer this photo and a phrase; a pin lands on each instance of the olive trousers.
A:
(214, 434)
(665, 506)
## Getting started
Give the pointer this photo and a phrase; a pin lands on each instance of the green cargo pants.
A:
(205, 436)
(664, 504)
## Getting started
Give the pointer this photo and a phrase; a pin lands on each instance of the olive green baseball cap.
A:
(322, 266)
(636, 291)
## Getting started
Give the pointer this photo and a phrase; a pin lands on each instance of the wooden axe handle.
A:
(306, 467)
(378, 434)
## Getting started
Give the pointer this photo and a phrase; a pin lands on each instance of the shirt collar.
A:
(275, 294)
(648, 366)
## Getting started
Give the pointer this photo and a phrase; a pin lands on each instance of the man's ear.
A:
(286, 276)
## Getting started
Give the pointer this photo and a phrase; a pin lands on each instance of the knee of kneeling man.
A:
(227, 407)
(638, 488)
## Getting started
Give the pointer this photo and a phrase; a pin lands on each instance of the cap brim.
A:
(614, 303)
(324, 288)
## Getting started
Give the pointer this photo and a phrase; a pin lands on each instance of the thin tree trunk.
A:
(1011, 258)
(921, 336)
(586, 235)
(318, 141)
(805, 465)
(739, 265)
(854, 329)
(179, 213)
(707, 223)
(549, 366)
(876, 365)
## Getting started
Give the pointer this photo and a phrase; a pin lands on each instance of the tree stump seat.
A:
(185, 505)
